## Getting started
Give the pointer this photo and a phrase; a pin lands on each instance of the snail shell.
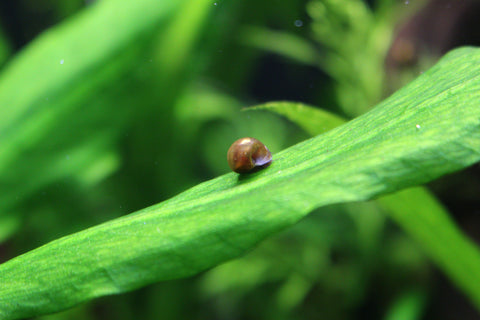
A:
(248, 155)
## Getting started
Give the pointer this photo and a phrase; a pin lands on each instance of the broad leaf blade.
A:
(377, 153)
(416, 210)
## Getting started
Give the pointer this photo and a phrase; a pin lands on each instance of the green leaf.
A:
(313, 120)
(410, 305)
(283, 43)
(86, 98)
(416, 210)
(427, 129)
(426, 220)
(56, 91)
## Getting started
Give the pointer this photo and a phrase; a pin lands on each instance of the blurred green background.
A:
(107, 107)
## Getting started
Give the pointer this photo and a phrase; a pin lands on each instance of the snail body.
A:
(248, 155)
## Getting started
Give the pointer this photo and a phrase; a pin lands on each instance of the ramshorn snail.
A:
(248, 155)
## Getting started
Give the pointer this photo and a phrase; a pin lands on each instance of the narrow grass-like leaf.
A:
(375, 154)
(60, 96)
(283, 43)
(313, 120)
(52, 94)
(418, 212)
(410, 305)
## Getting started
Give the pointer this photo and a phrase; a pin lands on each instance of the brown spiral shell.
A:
(248, 155)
